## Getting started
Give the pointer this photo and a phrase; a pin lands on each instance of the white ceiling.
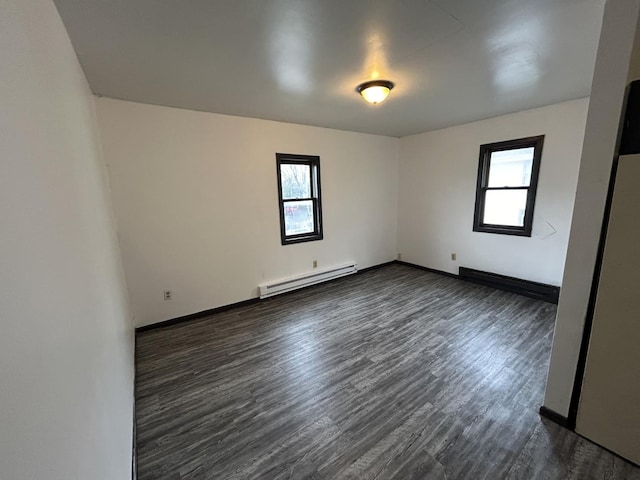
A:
(453, 61)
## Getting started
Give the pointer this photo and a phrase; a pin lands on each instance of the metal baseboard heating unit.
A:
(281, 286)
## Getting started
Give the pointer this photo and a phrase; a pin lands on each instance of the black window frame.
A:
(313, 161)
(482, 187)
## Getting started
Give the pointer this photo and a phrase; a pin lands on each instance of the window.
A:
(506, 189)
(299, 198)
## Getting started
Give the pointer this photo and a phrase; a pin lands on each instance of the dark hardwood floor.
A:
(395, 373)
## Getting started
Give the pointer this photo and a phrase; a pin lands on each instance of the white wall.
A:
(66, 346)
(607, 94)
(437, 186)
(196, 203)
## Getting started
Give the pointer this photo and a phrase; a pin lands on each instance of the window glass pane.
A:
(298, 217)
(505, 207)
(511, 168)
(296, 181)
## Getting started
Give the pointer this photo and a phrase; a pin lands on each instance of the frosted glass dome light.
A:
(375, 91)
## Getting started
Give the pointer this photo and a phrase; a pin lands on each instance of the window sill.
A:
(520, 232)
(301, 239)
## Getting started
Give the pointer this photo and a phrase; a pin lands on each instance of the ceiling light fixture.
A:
(375, 91)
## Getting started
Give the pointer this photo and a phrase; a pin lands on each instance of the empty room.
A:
(311, 239)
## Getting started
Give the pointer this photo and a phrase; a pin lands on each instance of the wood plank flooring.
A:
(395, 373)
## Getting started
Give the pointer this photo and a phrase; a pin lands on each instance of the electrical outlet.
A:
(315, 264)
(167, 295)
(453, 256)
(399, 256)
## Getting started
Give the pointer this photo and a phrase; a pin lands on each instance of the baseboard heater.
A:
(541, 291)
(281, 286)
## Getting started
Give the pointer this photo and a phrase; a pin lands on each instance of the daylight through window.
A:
(506, 187)
(299, 198)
